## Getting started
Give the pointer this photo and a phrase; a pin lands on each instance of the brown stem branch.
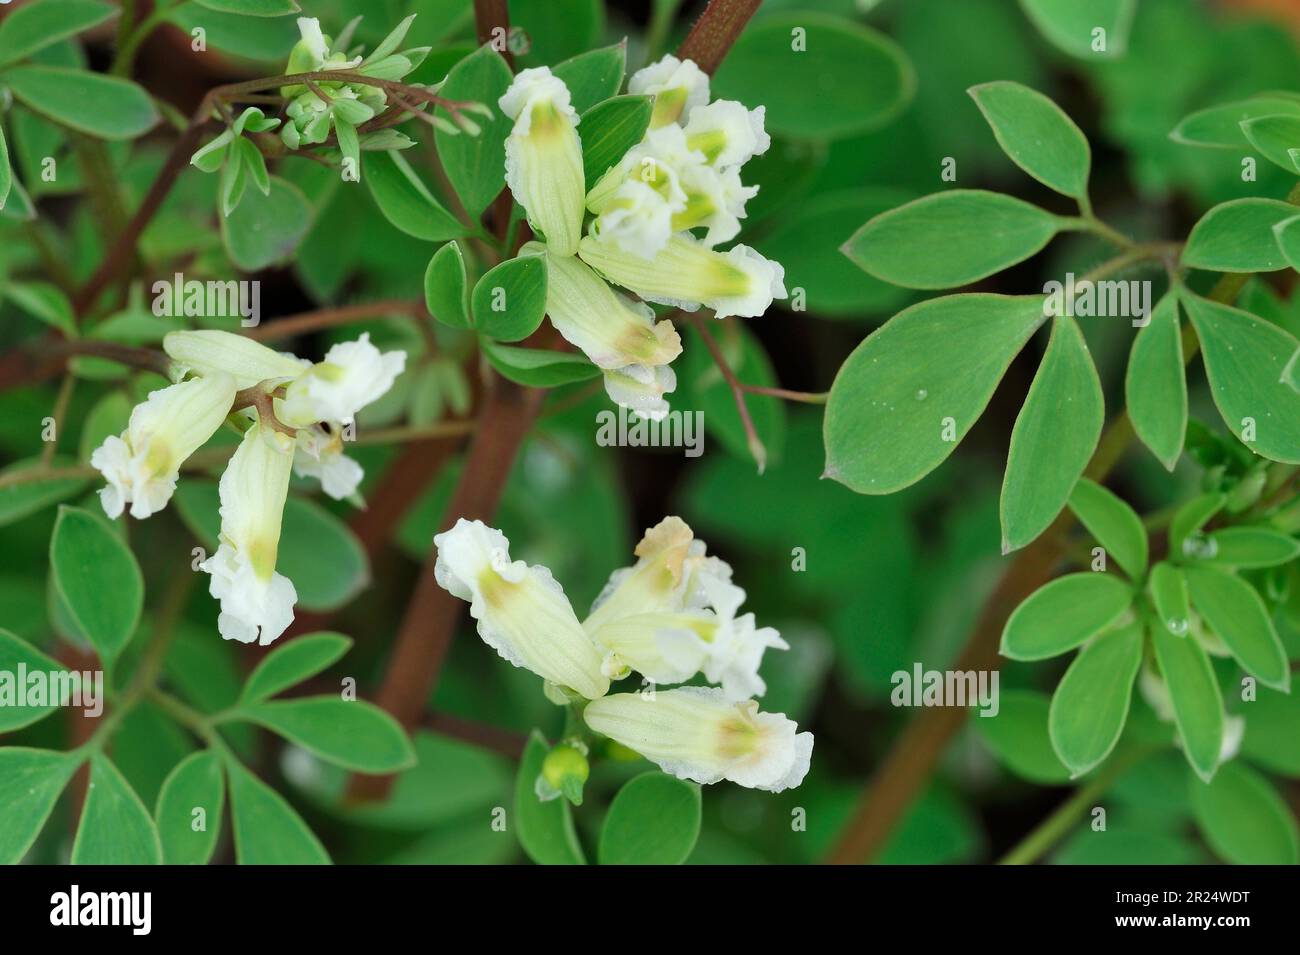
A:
(329, 317)
(716, 31)
(756, 447)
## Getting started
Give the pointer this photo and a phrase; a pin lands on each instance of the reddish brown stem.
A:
(756, 447)
(716, 31)
(329, 317)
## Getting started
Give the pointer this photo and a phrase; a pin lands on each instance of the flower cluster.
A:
(304, 408)
(655, 220)
(671, 616)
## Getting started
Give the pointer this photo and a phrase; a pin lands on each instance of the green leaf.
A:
(1169, 596)
(254, 165)
(1271, 739)
(265, 39)
(1190, 518)
(1277, 138)
(1244, 359)
(545, 829)
(318, 552)
(252, 8)
(34, 26)
(103, 106)
(1251, 547)
(538, 367)
(110, 415)
(1287, 235)
(476, 165)
(1113, 523)
(1236, 612)
(1037, 135)
(98, 578)
(950, 238)
(45, 302)
(1194, 695)
(267, 829)
(234, 180)
(292, 662)
(1155, 385)
(1071, 25)
(1244, 819)
(907, 395)
(18, 207)
(845, 79)
(808, 237)
(15, 712)
(1053, 438)
(509, 301)
(1221, 126)
(609, 129)
(266, 229)
(1018, 737)
(6, 171)
(115, 827)
(1090, 705)
(653, 820)
(1063, 614)
(594, 76)
(445, 286)
(188, 836)
(350, 733)
(405, 201)
(30, 783)
(1237, 236)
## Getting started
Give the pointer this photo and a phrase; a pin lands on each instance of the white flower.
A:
(688, 274)
(641, 389)
(352, 375)
(522, 611)
(637, 218)
(256, 602)
(656, 161)
(678, 86)
(610, 329)
(320, 455)
(141, 465)
(544, 157)
(209, 351)
(715, 200)
(727, 133)
(695, 733)
(671, 574)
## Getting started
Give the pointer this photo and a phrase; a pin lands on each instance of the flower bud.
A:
(564, 771)
(210, 352)
(695, 733)
(142, 464)
(521, 610)
(688, 274)
(544, 157)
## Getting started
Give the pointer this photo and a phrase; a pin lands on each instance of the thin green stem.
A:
(129, 46)
(1054, 828)
(1097, 227)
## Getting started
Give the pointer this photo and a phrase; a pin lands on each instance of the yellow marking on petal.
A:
(547, 121)
(711, 143)
(738, 735)
(261, 554)
(668, 106)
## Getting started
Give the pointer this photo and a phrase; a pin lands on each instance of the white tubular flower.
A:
(142, 464)
(735, 645)
(522, 611)
(637, 218)
(320, 455)
(678, 86)
(256, 602)
(544, 157)
(688, 274)
(695, 733)
(663, 647)
(641, 389)
(609, 328)
(210, 352)
(727, 133)
(714, 200)
(671, 574)
(352, 375)
(656, 161)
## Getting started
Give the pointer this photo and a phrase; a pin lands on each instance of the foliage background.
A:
(890, 581)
